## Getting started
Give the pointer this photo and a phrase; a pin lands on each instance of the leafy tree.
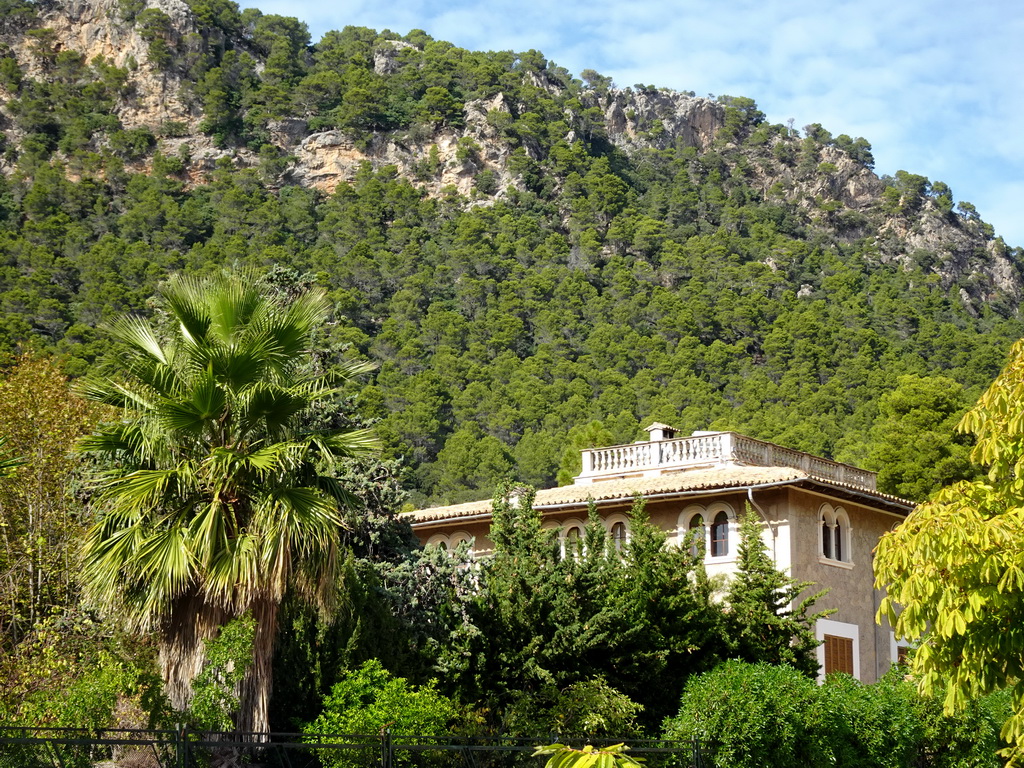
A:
(916, 448)
(41, 522)
(768, 619)
(746, 715)
(952, 569)
(211, 498)
(590, 707)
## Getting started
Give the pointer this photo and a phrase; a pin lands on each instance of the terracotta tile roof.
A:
(682, 483)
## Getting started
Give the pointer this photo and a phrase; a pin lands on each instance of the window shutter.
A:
(838, 654)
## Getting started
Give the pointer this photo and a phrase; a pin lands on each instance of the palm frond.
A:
(164, 565)
(269, 409)
(236, 572)
(192, 410)
(351, 368)
(185, 299)
(139, 489)
(296, 325)
(8, 463)
(231, 303)
(138, 333)
(348, 443)
(334, 488)
(243, 365)
(274, 457)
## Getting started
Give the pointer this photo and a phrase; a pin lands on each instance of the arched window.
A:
(842, 549)
(720, 535)
(826, 537)
(572, 543)
(457, 538)
(619, 535)
(705, 529)
(835, 534)
(697, 535)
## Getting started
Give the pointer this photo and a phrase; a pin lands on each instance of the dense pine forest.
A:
(533, 261)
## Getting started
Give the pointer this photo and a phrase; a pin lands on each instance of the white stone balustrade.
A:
(716, 449)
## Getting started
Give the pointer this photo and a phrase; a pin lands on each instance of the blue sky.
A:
(936, 87)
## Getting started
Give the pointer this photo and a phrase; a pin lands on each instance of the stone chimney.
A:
(659, 432)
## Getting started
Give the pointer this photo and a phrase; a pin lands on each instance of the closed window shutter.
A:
(838, 654)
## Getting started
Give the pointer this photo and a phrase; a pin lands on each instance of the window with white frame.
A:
(899, 650)
(840, 647)
(709, 530)
(719, 535)
(618, 532)
(697, 535)
(451, 542)
(834, 535)
(570, 538)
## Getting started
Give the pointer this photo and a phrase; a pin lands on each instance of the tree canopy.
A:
(953, 569)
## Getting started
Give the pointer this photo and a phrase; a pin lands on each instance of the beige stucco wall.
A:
(851, 585)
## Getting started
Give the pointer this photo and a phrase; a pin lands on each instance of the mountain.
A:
(535, 261)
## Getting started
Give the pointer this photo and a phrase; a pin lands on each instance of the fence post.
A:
(181, 746)
(385, 748)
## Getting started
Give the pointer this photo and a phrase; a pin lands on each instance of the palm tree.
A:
(212, 501)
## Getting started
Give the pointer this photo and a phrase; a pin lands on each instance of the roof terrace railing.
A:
(711, 450)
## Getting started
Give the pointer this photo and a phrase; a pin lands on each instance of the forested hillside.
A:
(534, 261)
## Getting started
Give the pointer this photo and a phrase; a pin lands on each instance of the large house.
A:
(821, 521)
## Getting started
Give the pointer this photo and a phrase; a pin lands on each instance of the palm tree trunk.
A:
(254, 698)
(181, 648)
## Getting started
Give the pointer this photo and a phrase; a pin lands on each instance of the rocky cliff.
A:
(835, 188)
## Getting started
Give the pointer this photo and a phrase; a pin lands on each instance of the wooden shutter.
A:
(838, 654)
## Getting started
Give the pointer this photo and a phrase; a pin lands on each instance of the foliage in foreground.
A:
(954, 570)
(369, 699)
(72, 671)
(758, 715)
(613, 756)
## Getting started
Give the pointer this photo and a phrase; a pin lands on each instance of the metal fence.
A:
(27, 747)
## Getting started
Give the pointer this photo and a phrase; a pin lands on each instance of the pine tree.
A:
(768, 619)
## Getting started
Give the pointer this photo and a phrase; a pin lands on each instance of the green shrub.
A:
(369, 699)
(874, 726)
(752, 716)
(747, 715)
(591, 707)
